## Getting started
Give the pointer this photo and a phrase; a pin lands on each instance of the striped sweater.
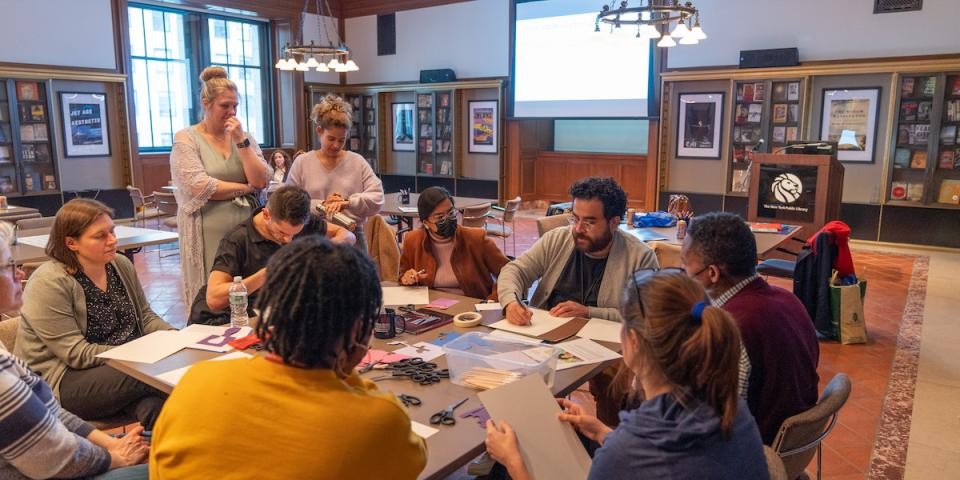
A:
(38, 438)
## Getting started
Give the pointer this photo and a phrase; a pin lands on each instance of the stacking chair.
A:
(545, 224)
(801, 435)
(475, 216)
(506, 216)
(774, 465)
(167, 208)
(37, 222)
(144, 207)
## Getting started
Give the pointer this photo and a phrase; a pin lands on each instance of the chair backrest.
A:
(799, 436)
(774, 465)
(8, 332)
(668, 255)
(31, 223)
(166, 203)
(136, 196)
(545, 224)
(510, 209)
(476, 215)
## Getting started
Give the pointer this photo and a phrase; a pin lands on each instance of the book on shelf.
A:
(908, 111)
(793, 113)
(28, 182)
(921, 134)
(779, 135)
(947, 159)
(739, 154)
(949, 192)
(923, 111)
(953, 85)
(445, 167)
(28, 91)
(904, 134)
(780, 113)
(747, 95)
(27, 152)
(906, 87)
(901, 158)
(740, 182)
(3, 113)
(755, 112)
(26, 133)
(929, 87)
(792, 133)
(793, 91)
(915, 191)
(49, 183)
(898, 190)
(951, 110)
(758, 92)
(4, 138)
(948, 134)
(779, 92)
(6, 184)
(757, 227)
(444, 99)
(41, 152)
(354, 144)
(918, 159)
(4, 154)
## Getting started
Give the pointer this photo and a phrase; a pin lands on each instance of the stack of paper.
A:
(583, 351)
(406, 295)
(153, 347)
(173, 376)
(601, 330)
(542, 322)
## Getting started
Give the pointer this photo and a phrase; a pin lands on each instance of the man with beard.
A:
(583, 271)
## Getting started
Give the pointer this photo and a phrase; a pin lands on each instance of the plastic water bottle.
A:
(238, 303)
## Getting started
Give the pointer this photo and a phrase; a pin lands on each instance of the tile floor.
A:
(849, 450)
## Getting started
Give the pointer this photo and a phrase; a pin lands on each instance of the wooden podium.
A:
(798, 189)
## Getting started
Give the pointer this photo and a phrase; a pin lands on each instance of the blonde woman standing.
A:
(217, 169)
(342, 180)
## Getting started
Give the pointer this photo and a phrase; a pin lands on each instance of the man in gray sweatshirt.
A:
(582, 269)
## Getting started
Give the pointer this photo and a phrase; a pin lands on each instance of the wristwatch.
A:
(244, 144)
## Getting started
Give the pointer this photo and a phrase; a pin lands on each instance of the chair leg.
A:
(513, 224)
(819, 459)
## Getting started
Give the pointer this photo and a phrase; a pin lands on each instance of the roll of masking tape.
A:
(467, 319)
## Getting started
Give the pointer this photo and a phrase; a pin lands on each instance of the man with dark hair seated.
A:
(246, 249)
(781, 378)
(582, 270)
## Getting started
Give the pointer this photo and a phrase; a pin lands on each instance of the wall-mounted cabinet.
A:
(27, 162)
(435, 134)
(362, 137)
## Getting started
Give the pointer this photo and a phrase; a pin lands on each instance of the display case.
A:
(362, 137)
(435, 134)
(946, 174)
(27, 163)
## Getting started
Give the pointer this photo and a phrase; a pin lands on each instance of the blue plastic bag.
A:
(655, 219)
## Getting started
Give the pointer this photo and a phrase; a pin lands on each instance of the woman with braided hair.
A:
(339, 179)
(303, 399)
(690, 423)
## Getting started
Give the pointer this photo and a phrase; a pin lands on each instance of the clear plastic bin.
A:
(481, 361)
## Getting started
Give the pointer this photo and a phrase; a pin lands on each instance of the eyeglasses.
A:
(451, 214)
(640, 278)
(587, 223)
(12, 266)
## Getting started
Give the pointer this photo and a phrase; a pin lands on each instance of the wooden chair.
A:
(506, 215)
(144, 207)
(801, 435)
(545, 224)
(476, 216)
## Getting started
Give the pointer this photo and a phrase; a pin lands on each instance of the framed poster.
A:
(483, 126)
(699, 125)
(849, 117)
(402, 127)
(85, 132)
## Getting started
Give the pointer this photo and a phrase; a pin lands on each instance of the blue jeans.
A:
(136, 472)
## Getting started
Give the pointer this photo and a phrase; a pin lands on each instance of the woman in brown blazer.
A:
(447, 256)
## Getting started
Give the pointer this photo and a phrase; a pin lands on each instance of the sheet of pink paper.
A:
(381, 356)
(442, 303)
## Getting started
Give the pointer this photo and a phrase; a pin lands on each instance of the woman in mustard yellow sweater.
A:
(300, 411)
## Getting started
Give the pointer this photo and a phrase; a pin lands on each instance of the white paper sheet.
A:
(542, 322)
(602, 330)
(173, 377)
(120, 231)
(153, 347)
(583, 351)
(407, 209)
(406, 295)
(422, 430)
(512, 336)
(424, 350)
(488, 306)
(549, 447)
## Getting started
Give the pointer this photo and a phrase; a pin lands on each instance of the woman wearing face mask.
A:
(303, 398)
(691, 423)
(217, 169)
(447, 256)
(341, 180)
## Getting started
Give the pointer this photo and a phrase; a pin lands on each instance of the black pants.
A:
(103, 391)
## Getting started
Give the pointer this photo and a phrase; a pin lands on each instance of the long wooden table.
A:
(766, 242)
(128, 238)
(451, 447)
(14, 211)
(392, 206)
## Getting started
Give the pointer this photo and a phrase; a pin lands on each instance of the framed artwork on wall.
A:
(699, 123)
(483, 126)
(403, 127)
(849, 117)
(85, 132)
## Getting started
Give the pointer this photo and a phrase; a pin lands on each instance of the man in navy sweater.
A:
(720, 252)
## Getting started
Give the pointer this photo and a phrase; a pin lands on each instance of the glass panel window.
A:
(241, 50)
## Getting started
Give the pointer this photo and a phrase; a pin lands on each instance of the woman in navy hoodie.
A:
(692, 424)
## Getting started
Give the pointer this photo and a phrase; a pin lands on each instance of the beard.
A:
(593, 244)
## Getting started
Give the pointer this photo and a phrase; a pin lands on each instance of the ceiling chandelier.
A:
(649, 15)
(313, 55)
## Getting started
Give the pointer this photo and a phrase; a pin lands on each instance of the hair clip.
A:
(698, 311)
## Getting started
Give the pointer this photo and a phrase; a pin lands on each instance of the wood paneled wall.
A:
(556, 171)
(156, 171)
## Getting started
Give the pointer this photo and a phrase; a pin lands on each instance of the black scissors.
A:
(446, 416)
(431, 377)
(408, 400)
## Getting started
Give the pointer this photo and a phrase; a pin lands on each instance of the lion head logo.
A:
(787, 188)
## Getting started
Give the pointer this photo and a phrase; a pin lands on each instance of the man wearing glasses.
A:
(584, 269)
(246, 249)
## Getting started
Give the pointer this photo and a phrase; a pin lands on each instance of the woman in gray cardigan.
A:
(85, 301)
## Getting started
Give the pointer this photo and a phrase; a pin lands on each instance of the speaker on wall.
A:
(438, 75)
(773, 57)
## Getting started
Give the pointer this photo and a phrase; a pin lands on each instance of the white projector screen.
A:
(564, 69)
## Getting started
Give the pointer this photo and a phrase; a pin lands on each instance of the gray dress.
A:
(195, 167)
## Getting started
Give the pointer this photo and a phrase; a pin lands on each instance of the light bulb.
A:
(281, 64)
(680, 30)
(667, 41)
(697, 32)
(322, 67)
(649, 31)
(302, 67)
(334, 63)
(291, 63)
(352, 66)
(312, 63)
